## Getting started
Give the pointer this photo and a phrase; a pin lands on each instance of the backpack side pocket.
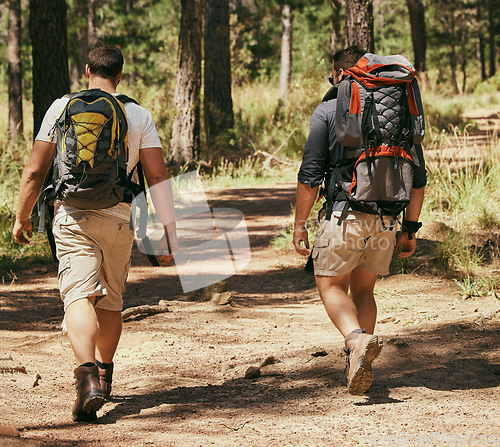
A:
(348, 119)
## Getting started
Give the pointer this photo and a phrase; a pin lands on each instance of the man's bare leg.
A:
(362, 285)
(110, 324)
(349, 316)
(83, 329)
(338, 305)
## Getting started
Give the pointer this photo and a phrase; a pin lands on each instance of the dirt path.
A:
(179, 377)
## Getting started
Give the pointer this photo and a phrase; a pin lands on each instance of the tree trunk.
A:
(185, 139)
(218, 103)
(493, 49)
(286, 51)
(416, 9)
(48, 31)
(15, 130)
(85, 34)
(453, 52)
(359, 24)
(334, 26)
(463, 51)
(480, 42)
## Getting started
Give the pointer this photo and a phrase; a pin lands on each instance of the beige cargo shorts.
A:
(360, 241)
(94, 257)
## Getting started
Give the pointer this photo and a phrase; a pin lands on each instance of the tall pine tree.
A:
(218, 103)
(48, 32)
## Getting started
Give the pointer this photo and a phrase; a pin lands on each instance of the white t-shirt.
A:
(142, 134)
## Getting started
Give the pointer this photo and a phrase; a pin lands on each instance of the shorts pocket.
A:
(71, 225)
(63, 266)
(72, 219)
(123, 234)
(319, 244)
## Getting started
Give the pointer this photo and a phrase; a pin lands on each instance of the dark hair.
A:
(105, 61)
(347, 58)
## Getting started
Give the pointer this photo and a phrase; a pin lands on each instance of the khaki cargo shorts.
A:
(94, 257)
(361, 241)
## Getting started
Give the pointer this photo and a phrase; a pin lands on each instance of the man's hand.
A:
(165, 259)
(171, 243)
(405, 247)
(304, 201)
(19, 228)
(300, 235)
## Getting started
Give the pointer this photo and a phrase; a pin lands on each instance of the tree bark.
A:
(286, 51)
(185, 139)
(453, 52)
(359, 24)
(48, 32)
(15, 130)
(480, 42)
(416, 10)
(218, 103)
(86, 39)
(463, 51)
(334, 26)
(493, 49)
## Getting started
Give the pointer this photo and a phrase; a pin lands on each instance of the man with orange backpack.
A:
(363, 147)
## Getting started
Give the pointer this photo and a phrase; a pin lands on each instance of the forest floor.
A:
(180, 375)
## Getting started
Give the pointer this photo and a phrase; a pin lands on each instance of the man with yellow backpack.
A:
(91, 142)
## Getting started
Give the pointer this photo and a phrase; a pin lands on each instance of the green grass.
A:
(467, 191)
(284, 240)
(456, 253)
(248, 171)
(13, 254)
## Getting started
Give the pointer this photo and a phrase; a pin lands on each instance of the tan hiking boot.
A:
(359, 374)
(89, 398)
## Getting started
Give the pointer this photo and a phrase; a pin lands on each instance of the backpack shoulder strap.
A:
(331, 94)
(124, 99)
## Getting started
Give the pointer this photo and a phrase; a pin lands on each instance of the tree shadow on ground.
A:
(404, 366)
(23, 442)
(31, 311)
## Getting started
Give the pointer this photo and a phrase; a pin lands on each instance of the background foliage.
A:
(147, 31)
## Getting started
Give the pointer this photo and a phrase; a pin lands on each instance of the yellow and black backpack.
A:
(89, 170)
(90, 163)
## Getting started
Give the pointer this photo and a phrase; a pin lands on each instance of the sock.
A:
(103, 365)
(88, 364)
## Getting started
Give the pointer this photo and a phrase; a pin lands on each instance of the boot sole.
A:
(93, 403)
(363, 375)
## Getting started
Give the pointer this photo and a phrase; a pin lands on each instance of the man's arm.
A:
(34, 174)
(405, 247)
(156, 173)
(304, 202)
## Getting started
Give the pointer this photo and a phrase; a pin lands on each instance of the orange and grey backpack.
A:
(379, 117)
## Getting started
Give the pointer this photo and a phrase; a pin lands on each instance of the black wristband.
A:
(409, 226)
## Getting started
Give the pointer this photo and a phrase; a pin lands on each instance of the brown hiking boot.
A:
(89, 398)
(359, 374)
(105, 379)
